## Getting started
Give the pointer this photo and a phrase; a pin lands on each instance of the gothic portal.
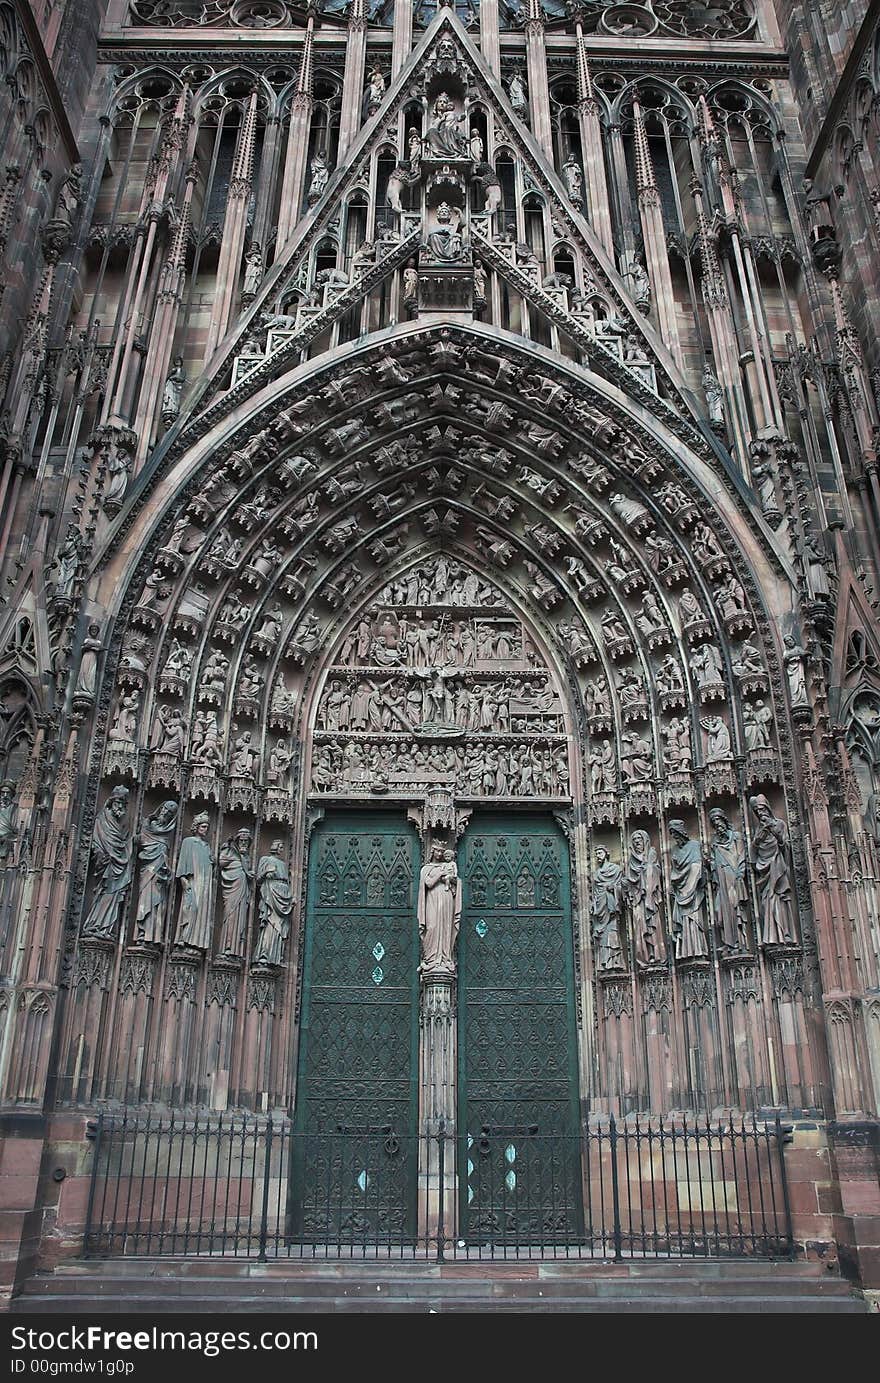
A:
(439, 659)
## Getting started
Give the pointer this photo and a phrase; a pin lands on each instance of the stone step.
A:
(800, 1303)
(204, 1286)
(286, 1269)
(414, 1289)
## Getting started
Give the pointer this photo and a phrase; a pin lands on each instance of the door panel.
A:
(518, 1106)
(355, 1154)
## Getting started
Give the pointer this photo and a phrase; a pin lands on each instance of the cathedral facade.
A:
(439, 654)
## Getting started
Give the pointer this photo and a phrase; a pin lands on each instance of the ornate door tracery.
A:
(517, 1088)
(355, 1160)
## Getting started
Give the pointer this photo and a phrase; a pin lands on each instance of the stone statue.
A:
(793, 658)
(70, 195)
(574, 180)
(727, 860)
(445, 136)
(607, 888)
(125, 719)
(677, 756)
(410, 282)
(439, 912)
(320, 177)
(253, 272)
(815, 561)
(445, 242)
(169, 731)
(747, 661)
(195, 870)
(273, 621)
(765, 484)
(68, 563)
(603, 768)
(8, 821)
(871, 820)
(717, 739)
(87, 677)
(244, 758)
(640, 283)
(279, 765)
(635, 757)
(155, 875)
(476, 145)
(757, 724)
(373, 93)
(118, 464)
(206, 740)
(275, 906)
(236, 879)
(516, 90)
(643, 888)
(173, 391)
(688, 892)
(706, 663)
(479, 284)
(714, 398)
(414, 151)
(770, 861)
(111, 854)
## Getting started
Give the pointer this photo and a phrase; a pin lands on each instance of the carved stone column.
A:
(353, 79)
(296, 160)
(598, 205)
(234, 226)
(654, 236)
(539, 92)
(437, 1049)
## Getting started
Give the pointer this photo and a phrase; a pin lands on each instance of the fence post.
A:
(615, 1191)
(264, 1213)
(783, 1136)
(94, 1132)
(441, 1177)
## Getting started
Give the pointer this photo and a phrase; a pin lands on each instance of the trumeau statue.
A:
(439, 912)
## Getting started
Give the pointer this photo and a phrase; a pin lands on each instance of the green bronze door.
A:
(519, 1162)
(355, 1159)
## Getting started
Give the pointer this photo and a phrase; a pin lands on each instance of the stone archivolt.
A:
(396, 585)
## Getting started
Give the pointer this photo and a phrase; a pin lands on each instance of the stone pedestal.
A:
(437, 1084)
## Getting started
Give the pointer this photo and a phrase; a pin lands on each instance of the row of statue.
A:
(386, 640)
(635, 750)
(702, 885)
(437, 697)
(533, 769)
(440, 582)
(717, 877)
(196, 871)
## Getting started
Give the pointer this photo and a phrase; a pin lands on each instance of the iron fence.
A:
(250, 1187)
